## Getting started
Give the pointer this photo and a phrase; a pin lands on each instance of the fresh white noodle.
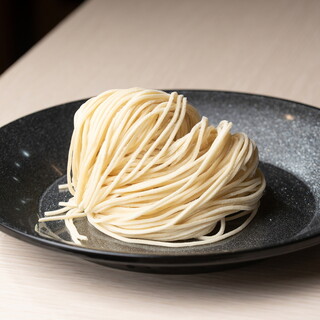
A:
(144, 168)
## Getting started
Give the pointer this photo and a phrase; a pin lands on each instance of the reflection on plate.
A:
(33, 162)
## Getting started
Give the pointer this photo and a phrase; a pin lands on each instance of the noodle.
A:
(144, 168)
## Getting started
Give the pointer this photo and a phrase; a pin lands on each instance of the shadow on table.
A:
(287, 273)
(283, 275)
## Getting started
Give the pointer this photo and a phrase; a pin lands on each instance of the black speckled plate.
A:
(33, 157)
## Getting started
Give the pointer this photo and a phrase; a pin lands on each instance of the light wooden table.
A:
(267, 47)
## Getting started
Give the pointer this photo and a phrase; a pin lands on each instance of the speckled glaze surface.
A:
(33, 162)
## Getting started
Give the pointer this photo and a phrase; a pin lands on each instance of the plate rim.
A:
(301, 104)
(218, 258)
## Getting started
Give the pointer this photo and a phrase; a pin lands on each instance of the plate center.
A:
(286, 210)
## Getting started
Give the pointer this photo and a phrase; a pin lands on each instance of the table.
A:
(265, 47)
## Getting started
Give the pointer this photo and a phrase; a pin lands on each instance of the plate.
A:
(33, 157)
